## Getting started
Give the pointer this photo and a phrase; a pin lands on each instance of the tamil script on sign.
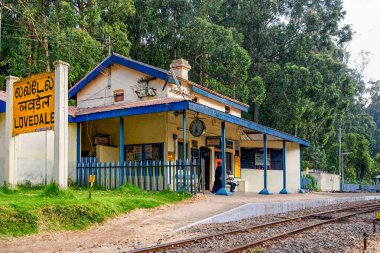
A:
(33, 104)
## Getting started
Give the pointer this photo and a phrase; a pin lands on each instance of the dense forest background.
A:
(285, 58)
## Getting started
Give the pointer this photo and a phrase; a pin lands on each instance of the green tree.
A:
(359, 157)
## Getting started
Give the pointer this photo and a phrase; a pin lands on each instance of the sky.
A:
(364, 18)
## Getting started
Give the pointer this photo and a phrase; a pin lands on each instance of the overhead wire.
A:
(72, 44)
(46, 31)
(23, 28)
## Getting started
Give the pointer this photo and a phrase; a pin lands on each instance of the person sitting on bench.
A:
(230, 181)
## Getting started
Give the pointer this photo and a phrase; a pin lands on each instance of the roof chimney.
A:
(181, 68)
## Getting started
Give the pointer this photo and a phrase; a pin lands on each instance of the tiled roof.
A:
(3, 96)
(72, 110)
(218, 94)
(84, 111)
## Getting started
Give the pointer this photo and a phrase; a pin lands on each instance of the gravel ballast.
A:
(343, 236)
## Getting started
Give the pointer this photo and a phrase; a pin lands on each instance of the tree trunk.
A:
(255, 113)
(45, 41)
(30, 48)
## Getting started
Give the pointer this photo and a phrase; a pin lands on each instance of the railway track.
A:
(253, 236)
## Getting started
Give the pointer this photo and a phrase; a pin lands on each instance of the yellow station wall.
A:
(141, 129)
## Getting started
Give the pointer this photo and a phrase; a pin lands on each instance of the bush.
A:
(130, 188)
(52, 190)
(312, 183)
(6, 189)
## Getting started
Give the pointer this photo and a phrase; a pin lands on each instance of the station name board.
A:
(33, 104)
(216, 141)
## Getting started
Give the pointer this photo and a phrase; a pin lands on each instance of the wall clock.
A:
(197, 127)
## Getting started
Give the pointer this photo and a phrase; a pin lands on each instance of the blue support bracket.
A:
(284, 190)
(265, 191)
(223, 191)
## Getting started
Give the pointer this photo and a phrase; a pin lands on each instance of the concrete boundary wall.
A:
(252, 210)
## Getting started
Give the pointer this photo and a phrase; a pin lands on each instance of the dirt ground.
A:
(142, 228)
(138, 228)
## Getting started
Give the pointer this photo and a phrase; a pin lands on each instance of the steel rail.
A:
(296, 231)
(265, 225)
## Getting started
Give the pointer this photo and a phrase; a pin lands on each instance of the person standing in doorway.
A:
(218, 178)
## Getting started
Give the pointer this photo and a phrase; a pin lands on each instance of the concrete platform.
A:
(217, 209)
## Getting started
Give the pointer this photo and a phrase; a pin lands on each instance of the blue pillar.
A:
(79, 141)
(184, 134)
(265, 190)
(301, 190)
(284, 190)
(223, 190)
(121, 141)
(184, 169)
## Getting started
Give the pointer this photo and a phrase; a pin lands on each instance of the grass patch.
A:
(52, 191)
(257, 250)
(5, 189)
(30, 210)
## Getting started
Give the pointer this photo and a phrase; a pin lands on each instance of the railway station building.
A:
(128, 112)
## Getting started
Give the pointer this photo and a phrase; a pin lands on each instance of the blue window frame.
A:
(252, 158)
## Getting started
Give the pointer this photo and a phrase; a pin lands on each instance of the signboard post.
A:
(10, 157)
(38, 103)
(61, 123)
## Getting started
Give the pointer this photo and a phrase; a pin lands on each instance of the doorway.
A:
(205, 154)
(229, 162)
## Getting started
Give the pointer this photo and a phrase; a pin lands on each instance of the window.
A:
(144, 152)
(227, 109)
(253, 158)
(276, 159)
(118, 95)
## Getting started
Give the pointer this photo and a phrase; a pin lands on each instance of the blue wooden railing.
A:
(148, 175)
(360, 188)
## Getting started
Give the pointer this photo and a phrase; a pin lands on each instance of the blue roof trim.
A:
(219, 99)
(90, 76)
(124, 61)
(245, 123)
(174, 106)
(139, 66)
(2, 106)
